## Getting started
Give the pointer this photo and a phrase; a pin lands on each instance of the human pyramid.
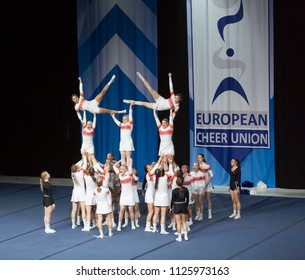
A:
(169, 191)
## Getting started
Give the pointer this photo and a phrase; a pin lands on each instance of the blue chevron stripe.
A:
(152, 5)
(128, 31)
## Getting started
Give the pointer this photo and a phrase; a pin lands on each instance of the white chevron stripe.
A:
(136, 10)
(116, 52)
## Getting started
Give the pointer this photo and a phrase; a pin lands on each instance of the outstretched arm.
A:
(94, 121)
(116, 120)
(130, 114)
(157, 119)
(171, 87)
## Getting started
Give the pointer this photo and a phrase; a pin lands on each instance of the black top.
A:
(235, 177)
(177, 199)
(47, 189)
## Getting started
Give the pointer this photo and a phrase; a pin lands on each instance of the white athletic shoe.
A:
(118, 229)
(186, 237)
(232, 215)
(237, 217)
(74, 226)
(164, 232)
(210, 216)
(122, 111)
(49, 230)
(110, 234)
(126, 101)
(148, 229)
(179, 238)
(100, 236)
(140, 76)
(125, 224)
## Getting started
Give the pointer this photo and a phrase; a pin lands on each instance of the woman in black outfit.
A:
(179, 204)
(234, 189)
(48, 200)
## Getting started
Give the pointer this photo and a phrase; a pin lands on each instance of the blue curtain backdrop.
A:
(230, 46)
(118, 37)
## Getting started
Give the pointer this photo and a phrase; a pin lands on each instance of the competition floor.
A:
(271, 228)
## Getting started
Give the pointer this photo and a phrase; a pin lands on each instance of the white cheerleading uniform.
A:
(188, 183)
(162, 104)
(90, 187)
(79, 191)
(135, 181)
(126, 142)
(166, 134)
(103, 198)
(127, 196)
(198, 181)
(150, 189)
(88, 134)
(85, 105)
(206, 169)
(161, 194)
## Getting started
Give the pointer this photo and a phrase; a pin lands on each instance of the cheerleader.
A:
(78, 193)
(234, 188)
(103, 199)
(179, 204)
(127, 199)
(160, 104)
(166, 130)
(188, 183)
(208, 173)
(126, 142)
(87, 149)
(92, 106)
(199, 190)
(91, 183)
(161, 203)
(48, 200)
(150, 192)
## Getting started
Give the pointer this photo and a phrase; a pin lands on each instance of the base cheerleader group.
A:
(173, 195)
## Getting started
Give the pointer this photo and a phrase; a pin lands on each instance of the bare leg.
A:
(100, 96)
(149, 105)
(154, 94)
(109, 111)
(123, 157)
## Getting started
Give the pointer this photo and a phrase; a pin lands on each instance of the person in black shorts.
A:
(234, 188)
(179, 204)
(48, 200)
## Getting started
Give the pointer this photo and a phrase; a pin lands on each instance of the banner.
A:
(230, 47)
(118, 37)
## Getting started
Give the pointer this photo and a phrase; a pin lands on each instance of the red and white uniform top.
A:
(198, 179)
(85, 105)
(126, 142)
(166, 134)
(206, 169)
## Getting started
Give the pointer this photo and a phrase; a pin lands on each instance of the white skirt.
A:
(103, 208)
(78, 195)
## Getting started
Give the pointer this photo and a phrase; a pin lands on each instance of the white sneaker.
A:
(210, 216)
(154, 230)
(140, 76)
(74, 226)
(78, 223)
(110, 234)
(118, 229)
(125, 224)
(133, 226)
(186, 237)
(190, 222)
(122, 111)
(148, 229)
(232, 215)
(237, 217)
(164, 232)
(170, 225)
(113, 224)
(49, 230)
(126, 101)
(105, 223)
(179, 239)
